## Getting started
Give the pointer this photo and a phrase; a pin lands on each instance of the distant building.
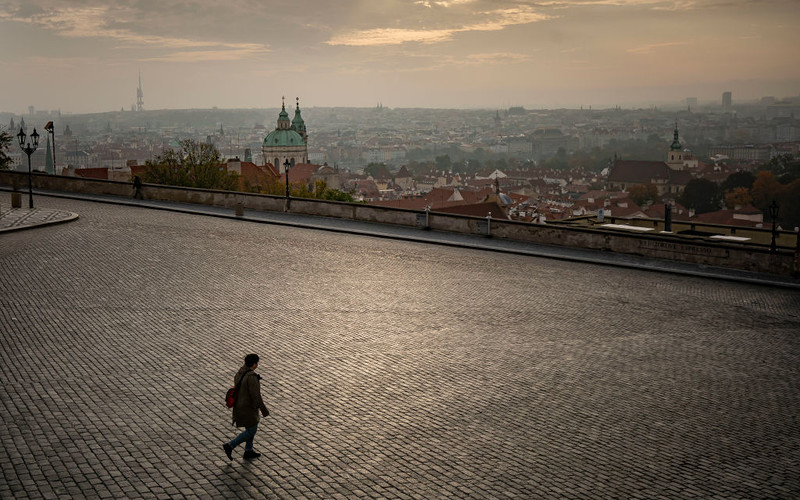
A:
(288, 142)
(744, 152)
(669, 177)
(520, 148)
(328, 175)
(727, 102)
(547, 141)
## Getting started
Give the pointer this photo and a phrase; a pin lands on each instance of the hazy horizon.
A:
(86, 56)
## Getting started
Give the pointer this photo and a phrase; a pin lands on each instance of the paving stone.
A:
(392, 369)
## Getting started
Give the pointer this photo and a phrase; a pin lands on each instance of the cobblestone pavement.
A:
(12, 219)
(392, 369)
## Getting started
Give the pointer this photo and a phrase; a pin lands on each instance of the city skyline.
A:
(86, 56)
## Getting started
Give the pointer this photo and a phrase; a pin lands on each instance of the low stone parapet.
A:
(736, 255)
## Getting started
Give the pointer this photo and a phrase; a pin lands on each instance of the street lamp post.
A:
(773, 212)
(28, 149)
(52, 129)
(286, 166)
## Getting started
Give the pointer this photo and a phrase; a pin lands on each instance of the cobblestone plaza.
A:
(392, 369)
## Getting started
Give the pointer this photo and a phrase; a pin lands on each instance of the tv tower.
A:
(140, 95)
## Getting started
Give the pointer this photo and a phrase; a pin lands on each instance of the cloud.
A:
(494, 58)
(494, 20)
(676, 6)
(648, 49)
(442, 3)
(234, 54)
(99, 21)
(390, 36)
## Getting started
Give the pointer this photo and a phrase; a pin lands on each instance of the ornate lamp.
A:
(28, 149)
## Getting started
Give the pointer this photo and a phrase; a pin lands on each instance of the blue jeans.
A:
(245, 437)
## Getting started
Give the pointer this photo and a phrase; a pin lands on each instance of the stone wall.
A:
(750, 257)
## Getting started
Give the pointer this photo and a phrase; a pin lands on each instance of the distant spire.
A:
(283, 117)
(676, 144)
(140, 95)
(298, 124)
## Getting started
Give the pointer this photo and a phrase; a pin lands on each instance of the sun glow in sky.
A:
(86, 55)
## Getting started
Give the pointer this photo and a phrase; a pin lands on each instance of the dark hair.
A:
(250, 359)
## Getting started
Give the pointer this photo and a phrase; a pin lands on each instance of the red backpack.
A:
(233, 392)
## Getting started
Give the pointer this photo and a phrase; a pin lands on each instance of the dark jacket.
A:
(248, 399)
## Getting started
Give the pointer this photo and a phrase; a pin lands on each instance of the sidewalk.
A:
(13, 219)
(22, 218)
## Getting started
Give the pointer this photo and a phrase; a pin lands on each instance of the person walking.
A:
(247, 407)
(137, 186)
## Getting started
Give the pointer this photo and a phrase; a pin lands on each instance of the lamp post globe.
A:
(28, 148)
(286, 166)
(773, 212)
(51, 129)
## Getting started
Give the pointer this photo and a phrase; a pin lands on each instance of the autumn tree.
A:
(374, 169)
(194, 165)
(785, 168)
(744, 179)
(739, 196)
(643, 194)
(766, 188)
(789, 215)
(5, 141)
(702, 195)
(443, 163)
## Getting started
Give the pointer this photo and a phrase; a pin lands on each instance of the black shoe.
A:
(228, 450)
(251, 454)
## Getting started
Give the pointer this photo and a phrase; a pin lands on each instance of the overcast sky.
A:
(86, 55)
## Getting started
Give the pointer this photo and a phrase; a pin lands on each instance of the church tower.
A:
(287, 143)
(675, 154)
(298, 125)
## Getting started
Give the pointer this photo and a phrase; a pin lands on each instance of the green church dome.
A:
(286, 137)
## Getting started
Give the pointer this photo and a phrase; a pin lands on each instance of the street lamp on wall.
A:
(286, 166)
(774, 208)
(28, 149)
(52, 130)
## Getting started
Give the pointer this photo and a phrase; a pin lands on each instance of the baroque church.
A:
(670, 177)
(288, 143)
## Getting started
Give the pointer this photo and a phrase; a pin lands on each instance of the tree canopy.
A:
(786, 168)
(642, 194)
(738, 197)
(5, 142)
(374, 169)
(742, 179)
(194, 165)
(766, 188)
(702, 195)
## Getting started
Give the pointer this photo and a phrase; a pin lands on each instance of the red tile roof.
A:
(727, 218)
(476, 210)
(300, 173)
(639, 172)
(657, 211)
(92, 173)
